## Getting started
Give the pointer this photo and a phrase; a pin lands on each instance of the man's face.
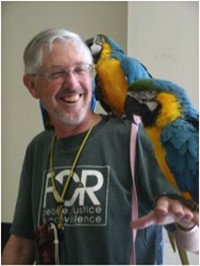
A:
(66, 97)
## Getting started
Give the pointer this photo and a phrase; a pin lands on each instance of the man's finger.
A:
(144, 221)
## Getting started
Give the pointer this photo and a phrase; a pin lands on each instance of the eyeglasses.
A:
(60, 73)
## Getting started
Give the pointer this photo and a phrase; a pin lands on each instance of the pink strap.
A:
(134, 130)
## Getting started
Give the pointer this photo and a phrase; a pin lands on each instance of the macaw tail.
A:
(181, 251)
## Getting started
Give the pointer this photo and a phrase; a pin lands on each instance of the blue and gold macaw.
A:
(114, 72)
(171, 124)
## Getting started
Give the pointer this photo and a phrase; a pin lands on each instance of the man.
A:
(76, 181)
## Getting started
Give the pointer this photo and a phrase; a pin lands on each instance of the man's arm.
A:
(18, 250)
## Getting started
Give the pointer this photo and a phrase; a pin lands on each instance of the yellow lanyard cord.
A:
(60, 198)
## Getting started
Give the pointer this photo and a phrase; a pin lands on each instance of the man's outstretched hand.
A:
(168, 211)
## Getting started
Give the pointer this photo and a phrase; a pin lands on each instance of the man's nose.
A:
(71, 79)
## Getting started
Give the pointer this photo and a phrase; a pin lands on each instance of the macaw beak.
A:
(89, 42)
(93, 49)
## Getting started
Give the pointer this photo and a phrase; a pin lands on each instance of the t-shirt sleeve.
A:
(23, 223)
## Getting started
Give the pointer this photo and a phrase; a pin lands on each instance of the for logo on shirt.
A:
(86, 200)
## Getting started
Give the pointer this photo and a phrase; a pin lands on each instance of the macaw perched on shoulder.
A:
(45, 116)
(171, 124)
(114, 72)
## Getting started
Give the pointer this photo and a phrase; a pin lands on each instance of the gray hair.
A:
(33, 54)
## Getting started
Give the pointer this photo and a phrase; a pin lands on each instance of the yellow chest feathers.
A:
(112, 81)
(170, 111)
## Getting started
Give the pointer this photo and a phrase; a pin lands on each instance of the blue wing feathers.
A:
(133, 69)
(181, 142)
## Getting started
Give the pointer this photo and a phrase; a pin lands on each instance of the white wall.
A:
(163, 35)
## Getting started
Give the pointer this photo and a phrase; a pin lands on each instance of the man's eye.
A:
(80, 70)
(57, 74)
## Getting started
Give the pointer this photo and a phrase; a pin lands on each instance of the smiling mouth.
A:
(72, 98)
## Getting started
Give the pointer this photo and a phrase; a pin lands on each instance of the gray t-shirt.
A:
(97, 206)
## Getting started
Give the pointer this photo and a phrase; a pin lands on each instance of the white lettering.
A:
(80, 192)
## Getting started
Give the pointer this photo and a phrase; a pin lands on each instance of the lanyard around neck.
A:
(60, 198)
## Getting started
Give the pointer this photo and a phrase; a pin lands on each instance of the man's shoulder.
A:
(42, 139)
(117, 122)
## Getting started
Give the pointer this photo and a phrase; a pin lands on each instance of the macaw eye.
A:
(146, 96)
(99, 40)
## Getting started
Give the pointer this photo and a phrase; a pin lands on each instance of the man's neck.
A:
(67, 130)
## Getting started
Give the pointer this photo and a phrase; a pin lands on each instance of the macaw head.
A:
(98, 43)
(157, 102)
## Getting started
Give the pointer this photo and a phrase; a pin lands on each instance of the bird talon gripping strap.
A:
(133, 138)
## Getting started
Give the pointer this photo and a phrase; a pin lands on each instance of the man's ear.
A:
(30, 85)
